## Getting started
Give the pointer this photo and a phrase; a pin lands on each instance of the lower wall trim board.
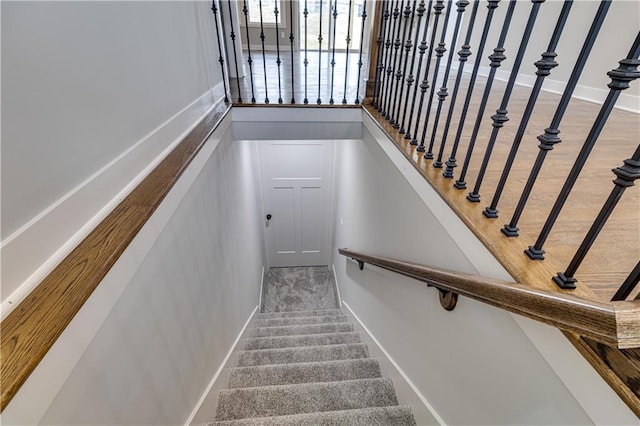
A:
(261, 287)
(413, 387)
(223, 365)
(33, 251)
(335, 277)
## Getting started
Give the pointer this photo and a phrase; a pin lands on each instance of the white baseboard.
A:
(34, 250)
(335, 277)
(261, 287)
(626, 102)
(223, 365)
(402, 374)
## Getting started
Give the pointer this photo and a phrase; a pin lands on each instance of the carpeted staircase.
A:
(307, 367)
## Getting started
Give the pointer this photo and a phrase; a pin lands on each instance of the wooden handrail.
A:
(29, 331)
(615, 324)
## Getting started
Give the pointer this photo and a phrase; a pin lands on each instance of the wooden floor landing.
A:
(616, 250)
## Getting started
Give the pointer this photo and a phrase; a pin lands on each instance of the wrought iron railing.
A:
(390, 69)
(331, 69)
(409, 85)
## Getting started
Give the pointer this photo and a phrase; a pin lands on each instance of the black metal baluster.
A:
(620, 79)
(389, 52)
(245, 11)
(626, 175)
(442, 93)
(391, 70)
(291, 39)
(399, 74)
(628, 285)
(437, 11)
(408, 45)
(410, 78)
(264, 57)
(545, 65)
(501, 117)
(440, 51)
(421, 49)
(276, 12)
(550, 136)
(306, 60)
(346, 65)
(319, 100)
(333, 49)
(463, 55)
(364, 17)
(496, 60)
(214, 9)
(384, 17)
(225, 47)
(232, 35)
(451, 162)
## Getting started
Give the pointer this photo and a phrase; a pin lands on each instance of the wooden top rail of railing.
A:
(612, 323)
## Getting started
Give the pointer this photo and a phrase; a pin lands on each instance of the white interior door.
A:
(297, 193)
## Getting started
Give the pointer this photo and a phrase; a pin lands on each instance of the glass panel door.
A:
(342, 20)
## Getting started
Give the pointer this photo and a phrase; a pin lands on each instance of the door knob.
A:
(269, 216)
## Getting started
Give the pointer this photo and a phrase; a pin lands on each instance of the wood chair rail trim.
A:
(614, 324)
(30, 330)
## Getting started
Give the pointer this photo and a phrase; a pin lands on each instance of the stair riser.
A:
(301, 330)
(305, 354)
(377, 416)
(300, 341)
(304, 373)
(279, 322)
(293, 314)
(305, 398)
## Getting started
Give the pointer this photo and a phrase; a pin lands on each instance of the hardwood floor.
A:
(617, 248)
(284, 89)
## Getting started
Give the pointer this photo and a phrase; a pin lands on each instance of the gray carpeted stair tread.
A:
(273, 342)
(308, 372)
(293, 314)
(304, 398)
(304, 365)
(293, 330)
(302, 354)
(399, 415)
(317, 319)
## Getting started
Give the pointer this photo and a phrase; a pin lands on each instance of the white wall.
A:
(92, 94)
(183, 291)
(613, 43)
(474, 365)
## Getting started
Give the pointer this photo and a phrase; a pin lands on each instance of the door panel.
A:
(296, 161)
(297, 185)
(283, 220)
(311, 220)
